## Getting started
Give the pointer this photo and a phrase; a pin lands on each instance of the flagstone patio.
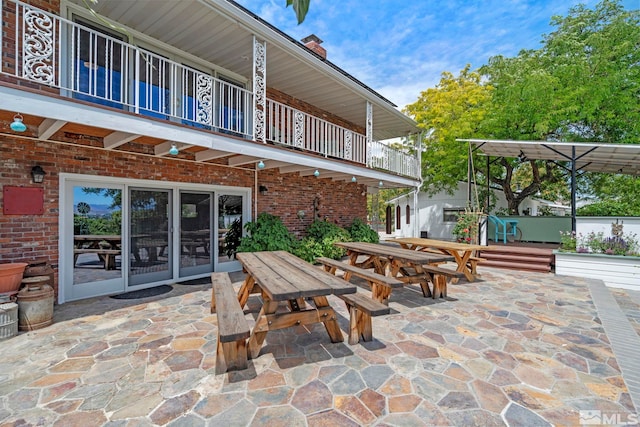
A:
(514, 349)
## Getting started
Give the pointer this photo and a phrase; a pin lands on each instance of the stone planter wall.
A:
(614, 270)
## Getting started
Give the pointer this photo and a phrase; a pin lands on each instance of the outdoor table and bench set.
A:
(463, 253)
(283, 279)
(294, 292)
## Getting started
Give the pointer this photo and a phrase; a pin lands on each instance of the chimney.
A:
(312, 42)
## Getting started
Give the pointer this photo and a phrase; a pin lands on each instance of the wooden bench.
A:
(439, 277)
(361, 308)
(106, 255)
(380, 285)
(233, 330)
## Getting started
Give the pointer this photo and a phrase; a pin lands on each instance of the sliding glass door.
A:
(150, 235)
(196, 225)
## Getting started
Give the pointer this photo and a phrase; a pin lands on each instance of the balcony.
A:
(81, 60)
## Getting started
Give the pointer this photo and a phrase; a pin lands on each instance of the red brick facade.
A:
(25, 238)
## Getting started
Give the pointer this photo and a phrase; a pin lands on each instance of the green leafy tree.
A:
(582, 85)
(453, 109)
(300, 7)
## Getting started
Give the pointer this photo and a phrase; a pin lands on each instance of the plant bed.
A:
(616, 271)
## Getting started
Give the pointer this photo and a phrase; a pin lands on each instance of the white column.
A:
(259, 89)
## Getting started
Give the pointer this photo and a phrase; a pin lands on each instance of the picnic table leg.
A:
(261, 328)
(245, 290)
(330, 321)
(461, 260)
(439, 286)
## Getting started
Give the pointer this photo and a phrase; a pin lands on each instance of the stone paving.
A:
(515, 348)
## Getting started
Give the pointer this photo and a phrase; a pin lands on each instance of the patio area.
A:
(513, 348)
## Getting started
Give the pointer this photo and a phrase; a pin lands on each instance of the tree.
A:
(455, 108)
(582, 85)
(300, 7)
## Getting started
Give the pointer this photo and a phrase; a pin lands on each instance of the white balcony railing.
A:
(87, 64)
(381, 156)
(288, 126)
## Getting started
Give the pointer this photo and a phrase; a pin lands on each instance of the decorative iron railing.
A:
(288, 126)
(86, 63)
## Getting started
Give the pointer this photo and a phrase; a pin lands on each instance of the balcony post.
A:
(369, 132)
(259, 89)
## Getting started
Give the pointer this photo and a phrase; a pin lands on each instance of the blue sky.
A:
(400, 48)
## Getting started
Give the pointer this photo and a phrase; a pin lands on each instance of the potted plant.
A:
(466, 229)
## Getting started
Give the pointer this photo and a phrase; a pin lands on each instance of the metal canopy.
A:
(584, 156)
(592, 157)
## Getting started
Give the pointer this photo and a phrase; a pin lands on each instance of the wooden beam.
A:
(48, 127)
(163, 148)
(243, 160)
(294, 168)
(116, 139)
(203, 156)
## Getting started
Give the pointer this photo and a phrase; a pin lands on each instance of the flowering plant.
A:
(597, 243)
(568, 241)
(466, 228)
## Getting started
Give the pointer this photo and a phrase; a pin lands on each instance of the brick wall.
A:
(26, 238)
(336, 201)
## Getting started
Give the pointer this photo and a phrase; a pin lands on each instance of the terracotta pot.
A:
(11, 276)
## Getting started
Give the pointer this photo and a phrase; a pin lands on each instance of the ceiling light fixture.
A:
(316, 173)
(260, 164)
(173, 150)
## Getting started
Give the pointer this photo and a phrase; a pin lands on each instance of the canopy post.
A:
(573, 188)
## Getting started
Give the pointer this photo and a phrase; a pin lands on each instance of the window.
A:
(451, 214)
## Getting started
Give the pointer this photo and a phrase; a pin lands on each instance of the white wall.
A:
(430, 213)
(587, 224)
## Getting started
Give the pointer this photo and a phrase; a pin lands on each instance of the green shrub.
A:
(325, 234)
(309, 249)
(267, 233)
(359, 231)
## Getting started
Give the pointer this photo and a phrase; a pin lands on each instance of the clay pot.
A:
(11, 276)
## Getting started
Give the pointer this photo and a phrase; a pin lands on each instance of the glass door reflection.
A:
(196, 220)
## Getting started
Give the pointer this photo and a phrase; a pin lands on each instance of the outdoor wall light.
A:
(17, 125)
(353, 179)
(263, 189)
(260, 164)
(316, 173)
(37, 174)
(301, 214)
(173, 150)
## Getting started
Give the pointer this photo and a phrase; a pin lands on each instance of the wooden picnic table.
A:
(406, 265)
(106, 246)
(284, 278)
(461, 252)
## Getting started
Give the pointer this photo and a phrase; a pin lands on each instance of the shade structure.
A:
(583, 156)
(592, 157)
